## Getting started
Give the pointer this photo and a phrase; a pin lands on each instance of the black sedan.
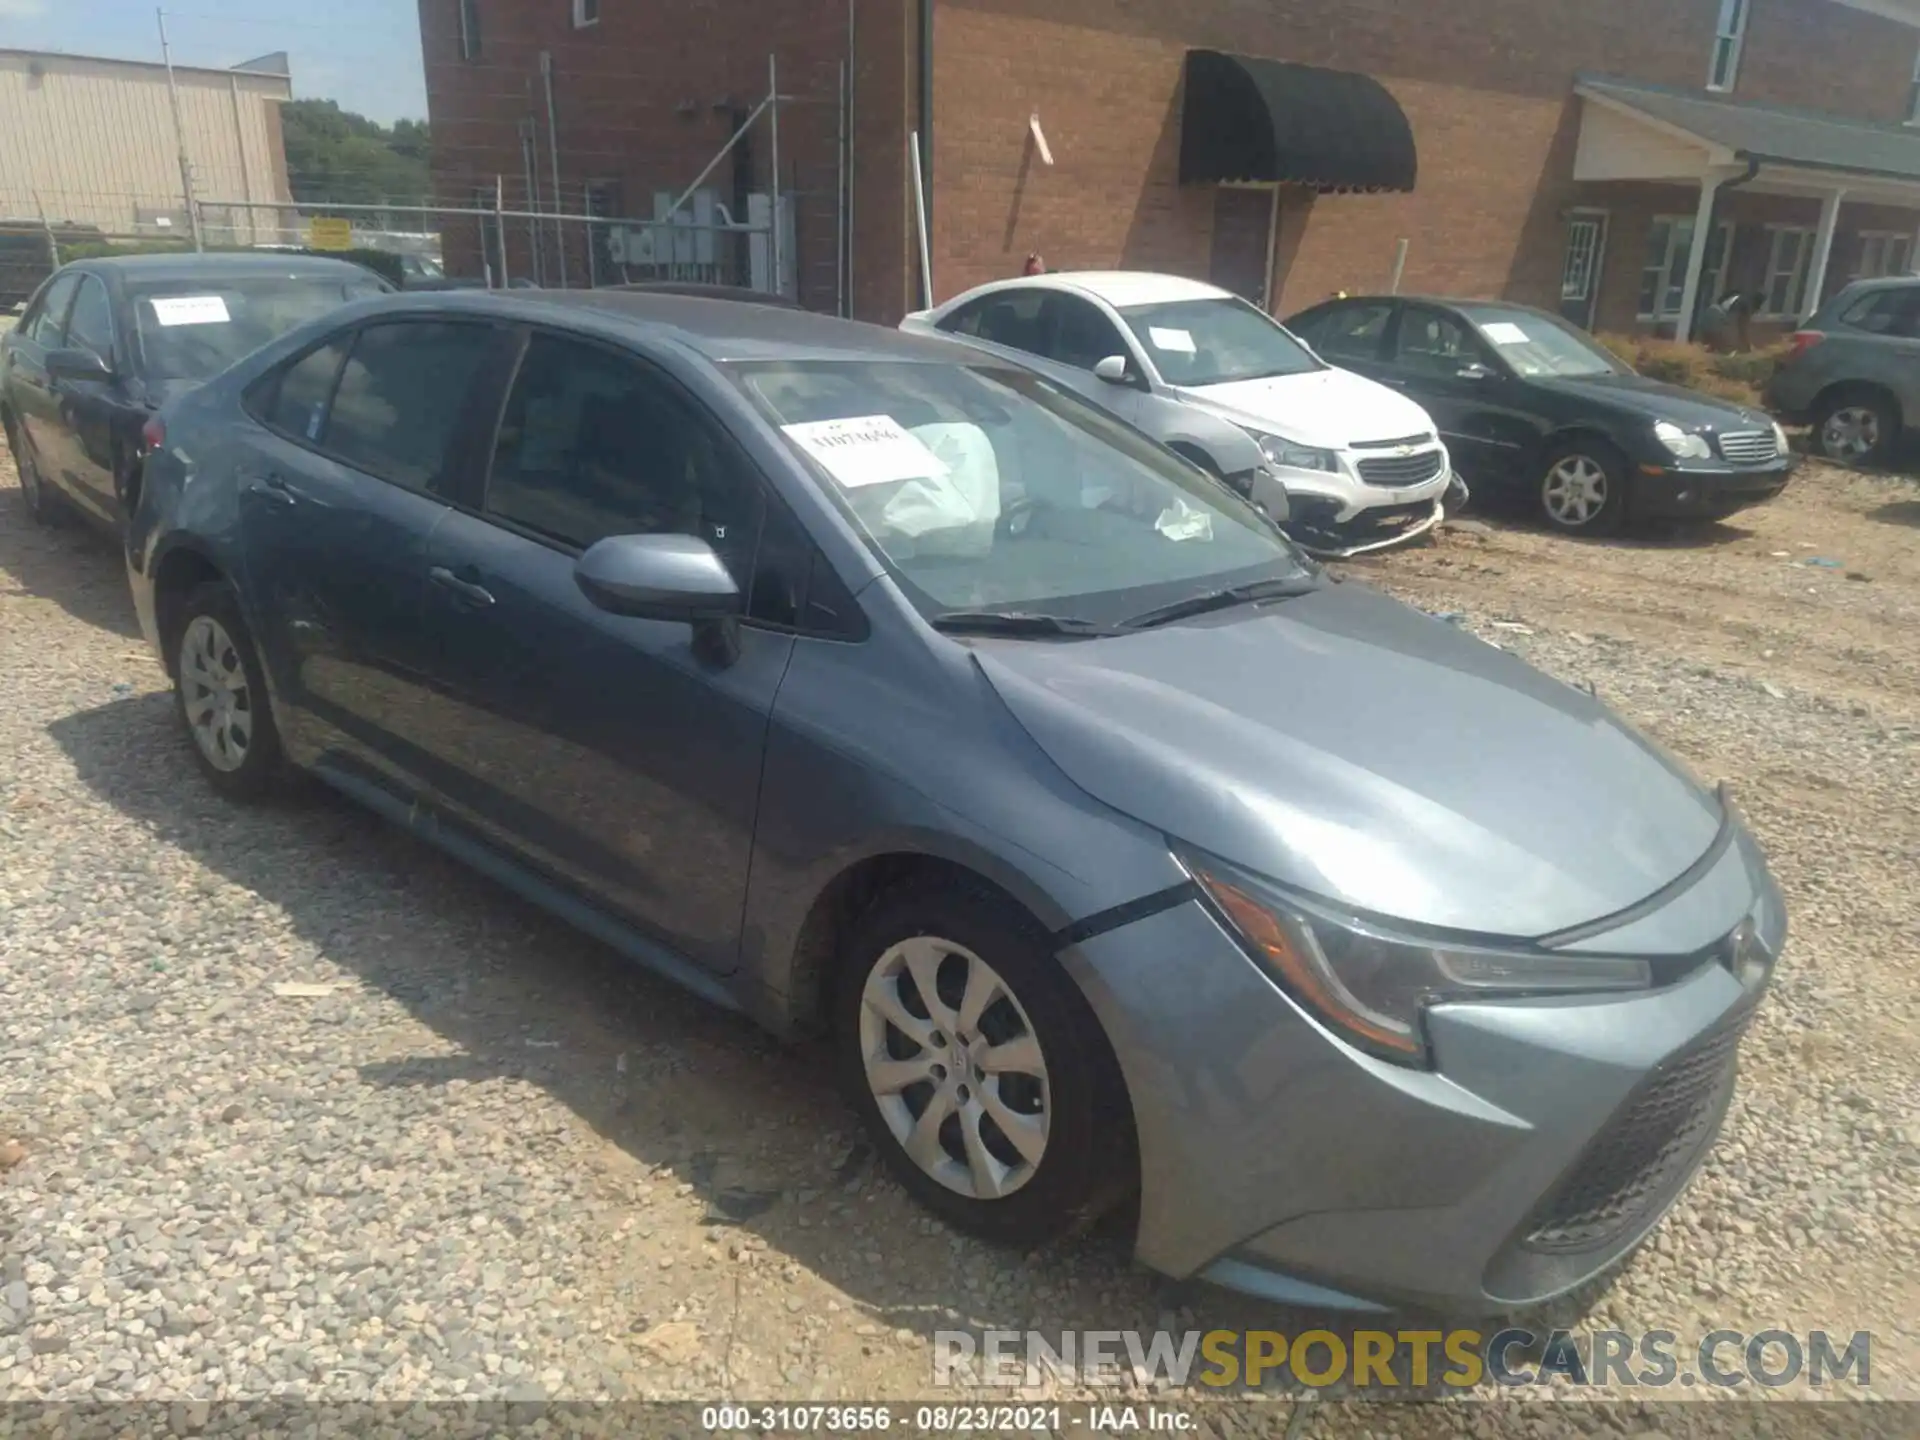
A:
(105, 342)
(1529, 404)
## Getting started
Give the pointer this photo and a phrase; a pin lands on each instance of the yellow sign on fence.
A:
(324, 233)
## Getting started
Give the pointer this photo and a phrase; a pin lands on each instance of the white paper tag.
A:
(1503, 332)
(866, 450)
(1181, 521)
(190, 310)
(1178, 341)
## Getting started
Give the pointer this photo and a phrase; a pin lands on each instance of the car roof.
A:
(1119, 288)
(715, 329)
(1441, 302)
(135, 268)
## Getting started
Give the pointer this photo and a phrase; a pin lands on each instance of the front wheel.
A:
(220, 691)
(41, 504)
(1583, 490)
(978, 1067)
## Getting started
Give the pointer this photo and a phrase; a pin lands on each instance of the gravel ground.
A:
(292, 1106)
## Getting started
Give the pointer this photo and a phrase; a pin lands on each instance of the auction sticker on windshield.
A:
(1180, 342)
(190, 310)
(1504, 332)
(866, 450)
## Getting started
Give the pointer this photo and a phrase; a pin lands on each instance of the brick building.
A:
(1552, 151)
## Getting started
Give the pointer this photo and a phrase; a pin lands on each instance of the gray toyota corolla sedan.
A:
(872, 686)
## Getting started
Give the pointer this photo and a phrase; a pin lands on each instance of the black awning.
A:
(1249, 119)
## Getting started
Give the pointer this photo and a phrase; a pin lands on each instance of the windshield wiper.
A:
(1018, 622)
(1209, 600)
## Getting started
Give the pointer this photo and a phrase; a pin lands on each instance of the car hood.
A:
(1657, 400)
(1358, 750)
(1329, 408)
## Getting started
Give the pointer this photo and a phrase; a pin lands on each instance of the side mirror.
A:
(77, 365)
(1115, 370)
(658, 577)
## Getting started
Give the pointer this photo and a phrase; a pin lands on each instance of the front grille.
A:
(1750, 447)
(1398, 470)
(1647, 1150)
(1393, 444)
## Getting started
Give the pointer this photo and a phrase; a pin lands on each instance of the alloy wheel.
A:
(217, 697)
(1851, 433)
(955, 1067)
(1575, 491)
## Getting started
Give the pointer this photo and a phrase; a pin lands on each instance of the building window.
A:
(585, 13)
(1787, 264)
(469, 29)
(1913, 92)
(1728, 36)
(1663, 277)
(1883, 252)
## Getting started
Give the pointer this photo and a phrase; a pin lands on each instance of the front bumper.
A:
(1668, 492)
(1314, 523)
(1550, 1137)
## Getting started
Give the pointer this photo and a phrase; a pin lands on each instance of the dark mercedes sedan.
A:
(104, 343)
(873, 685)
(1531, 405)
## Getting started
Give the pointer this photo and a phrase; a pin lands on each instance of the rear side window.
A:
(297, 404)
(400, 399)
(1352, 332)
(1014, 318)
(1886, 312)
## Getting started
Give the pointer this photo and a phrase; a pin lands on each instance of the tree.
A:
(335, 156)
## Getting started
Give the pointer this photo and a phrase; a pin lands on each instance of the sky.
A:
(363, 53)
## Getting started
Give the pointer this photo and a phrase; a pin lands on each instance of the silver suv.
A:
(1853, 373)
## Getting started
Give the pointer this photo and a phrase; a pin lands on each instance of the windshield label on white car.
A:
(1179, 342)
(867, 450)
(1504, 332)
(190, 310)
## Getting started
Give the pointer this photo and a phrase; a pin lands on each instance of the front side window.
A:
(592, 444)
(1729, 35)
(192, 331)
(90, 326)
(1789, 258)
(1082, 336)
(1216, 341)
(400, 398)
(1432, 342)
(987, 488)
(48, 324)
(1538, 345)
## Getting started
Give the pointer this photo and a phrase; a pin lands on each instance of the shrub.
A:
(1739, 378)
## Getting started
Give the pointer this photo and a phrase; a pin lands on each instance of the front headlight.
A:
(1371, 986)
(1683, 443)
(1780, 438)
(1285, 453)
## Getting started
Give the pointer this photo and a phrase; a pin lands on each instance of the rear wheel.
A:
(1583, 490)
(1856, 427)
(978, 1067)
(221, 694)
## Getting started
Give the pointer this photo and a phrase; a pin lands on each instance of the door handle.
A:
(274, 488)
(468, 591)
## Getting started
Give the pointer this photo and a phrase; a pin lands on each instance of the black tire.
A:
(1582, 489)
(42, 504)
(1856, 427)
(260, 769)
(1088, 1162)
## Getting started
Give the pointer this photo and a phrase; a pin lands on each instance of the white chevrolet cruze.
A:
(1363, 466)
